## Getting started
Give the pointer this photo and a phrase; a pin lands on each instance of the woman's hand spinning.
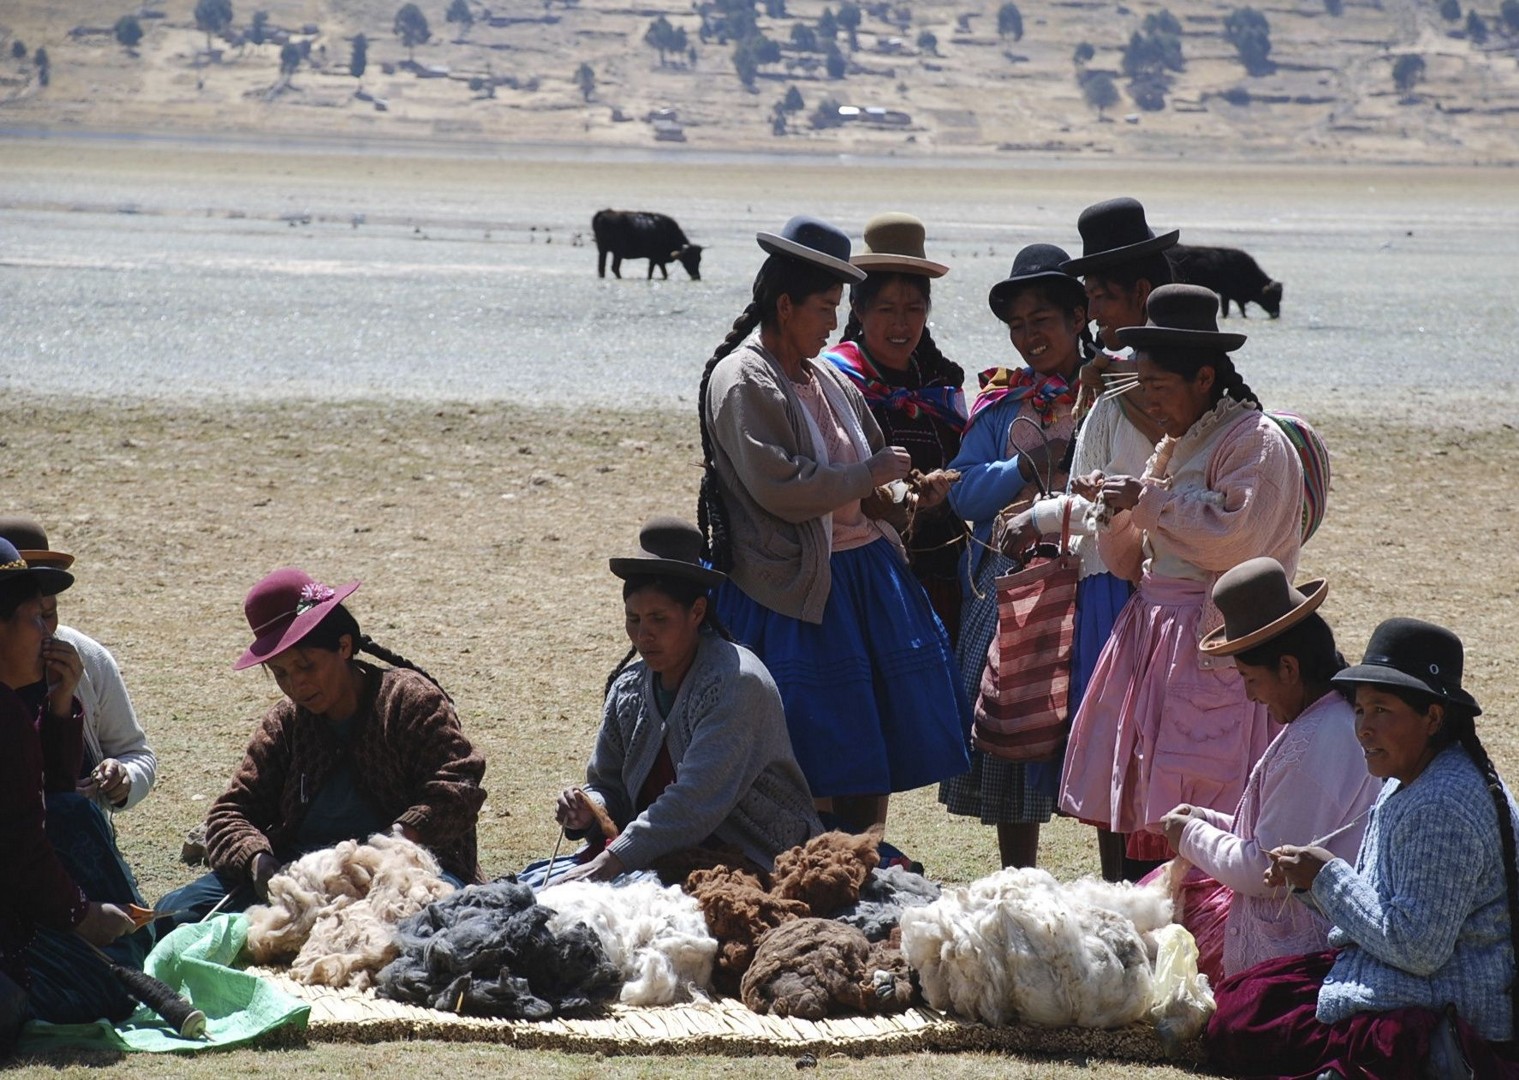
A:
(572, 811)
(1121, 492)
(888, 464)
(1296, 866)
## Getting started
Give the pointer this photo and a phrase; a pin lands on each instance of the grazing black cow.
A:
(1229, 272)
(637, 234)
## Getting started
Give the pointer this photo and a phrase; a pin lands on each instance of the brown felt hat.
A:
(894, 244)
(30, 540)
(668, 547)
(1183, 316)
(1258, 603)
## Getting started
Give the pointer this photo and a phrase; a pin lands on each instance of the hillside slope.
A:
(511, 77)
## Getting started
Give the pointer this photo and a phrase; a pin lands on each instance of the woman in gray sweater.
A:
(818, 582)
(1424, 924)
(693, 752)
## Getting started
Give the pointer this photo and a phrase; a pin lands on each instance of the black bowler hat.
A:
(1185, 316)
(1413, 654)
(1115, 232)
(668, 547)
(1036, 264)
(814, 241)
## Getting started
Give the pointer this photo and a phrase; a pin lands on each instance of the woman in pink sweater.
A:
(1163, 723)
(1310, 787)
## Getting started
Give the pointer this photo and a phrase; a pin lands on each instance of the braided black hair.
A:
(1459, 726)
(778, 276)
(682, 591)
(339, 621)
(1187, 362)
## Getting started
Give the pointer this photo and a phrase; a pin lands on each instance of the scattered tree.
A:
(459, 12)
(805, 39)
(833, 62)
(290, 59)
(18, 50)
(258, 30)
(828, 25)
(585, 81)
(1476, 28)
(778, 119)
(1247, 30)
(1509, 10)
(44, 66)
(826, 115)
(411, 27)
(1335, 8)
(658, 36)
(776, 9)
(1010, 21)
(358, 60)
(1407, 72)
(1162, 22)
(128, 31)
(212, 17)
(1099, 91)
(928, 42)
(793, 102)
(1084, 51)
(1450, 10)
(849, 22)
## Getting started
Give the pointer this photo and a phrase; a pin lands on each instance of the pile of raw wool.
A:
(654, 934)
(1019, 946)
(809, 968)
(889, 891)
(487, 950)
(335, 911)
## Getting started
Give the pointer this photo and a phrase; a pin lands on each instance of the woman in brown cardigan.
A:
(352, 750)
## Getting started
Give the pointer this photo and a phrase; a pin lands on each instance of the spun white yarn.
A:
(334, 911)
(657, 936)
(1019, 946)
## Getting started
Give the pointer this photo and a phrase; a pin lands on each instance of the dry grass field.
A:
(482, 534)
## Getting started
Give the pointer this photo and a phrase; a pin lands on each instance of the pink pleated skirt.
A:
(1155, 728)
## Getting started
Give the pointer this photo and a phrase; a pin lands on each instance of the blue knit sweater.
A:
(1423, 916)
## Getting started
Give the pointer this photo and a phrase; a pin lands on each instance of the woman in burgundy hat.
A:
(352, 750)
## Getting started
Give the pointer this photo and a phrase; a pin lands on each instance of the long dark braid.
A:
(340, 621)
(711, 514)
(683, 592)
(1228, 380)
(778, 276)
(1466, 735)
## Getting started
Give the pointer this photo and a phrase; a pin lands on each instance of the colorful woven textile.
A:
(946, 403)
(1316, 471)
(1043, 391)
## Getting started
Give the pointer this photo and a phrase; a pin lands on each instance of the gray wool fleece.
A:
(735, 775)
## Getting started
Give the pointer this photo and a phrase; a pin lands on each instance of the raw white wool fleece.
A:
(1019, 946)
(335, 910)
(657, 936)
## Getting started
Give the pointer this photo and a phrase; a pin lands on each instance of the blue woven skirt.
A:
(870, 693)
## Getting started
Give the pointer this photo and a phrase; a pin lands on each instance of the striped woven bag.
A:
(1023, 710)
(1316, 473)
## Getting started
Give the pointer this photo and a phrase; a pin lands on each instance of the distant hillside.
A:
(919, 76)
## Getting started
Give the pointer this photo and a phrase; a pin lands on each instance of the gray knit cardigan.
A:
(776, 490)
(736, 778)
(1422, 917)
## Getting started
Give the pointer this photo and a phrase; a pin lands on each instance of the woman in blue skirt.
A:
(818, 584)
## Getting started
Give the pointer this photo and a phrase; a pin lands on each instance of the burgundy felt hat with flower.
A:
(283, 608)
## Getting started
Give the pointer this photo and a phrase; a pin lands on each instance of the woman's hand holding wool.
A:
(571, 810)
(63, 670)
(104, 923)
(264, 867)
(1122, 492)
(1174, 823)
(1296, 866)
(603, 867)
(888, 464)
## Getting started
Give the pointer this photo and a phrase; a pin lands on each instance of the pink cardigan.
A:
(1311, 780)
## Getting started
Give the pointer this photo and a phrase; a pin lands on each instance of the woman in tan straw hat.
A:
(1161, 722)
(693, 751)
(915, 392)
(353, 749)
(818, 587)
(1310, 785)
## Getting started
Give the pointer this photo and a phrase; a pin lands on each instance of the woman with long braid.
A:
(693, 753)
(915, 392)
(1162, 724)
(818, 585)
(352, 750)
(1420, 981)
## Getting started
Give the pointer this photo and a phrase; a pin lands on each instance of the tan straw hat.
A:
(1258, 603)
(894, 244)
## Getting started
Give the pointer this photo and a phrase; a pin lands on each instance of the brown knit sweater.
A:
(409, 754)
